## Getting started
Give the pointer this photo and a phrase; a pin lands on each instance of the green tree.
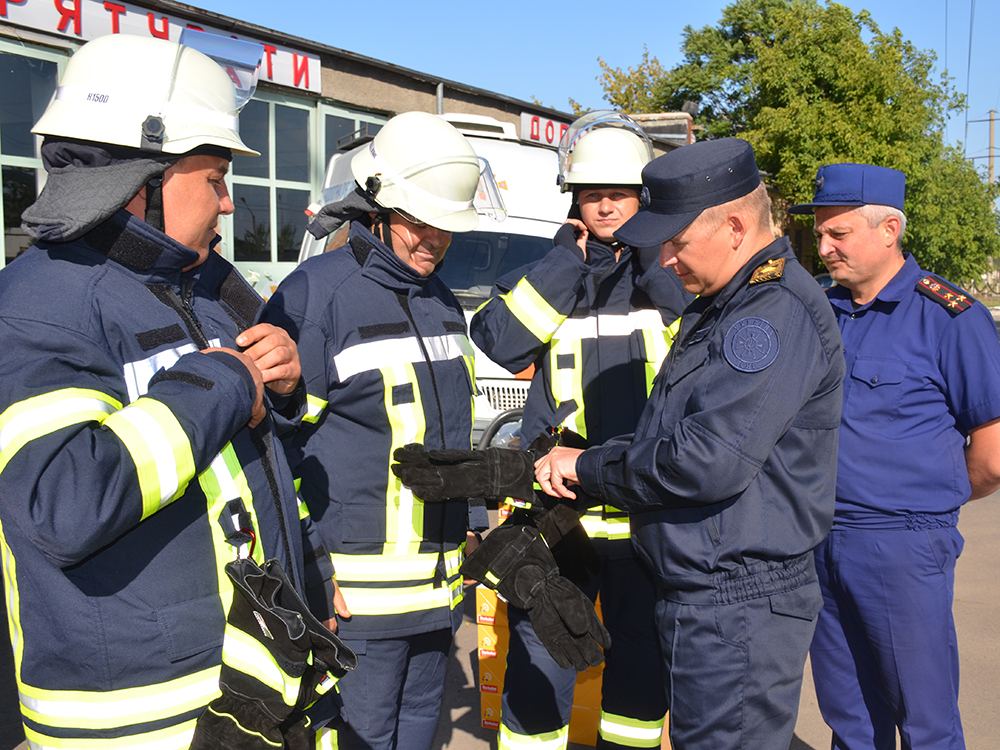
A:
(810, 84)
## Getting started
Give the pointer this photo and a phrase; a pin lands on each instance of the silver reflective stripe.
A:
(386, 568)
(610, 325)
(376, 355)
(139, 373)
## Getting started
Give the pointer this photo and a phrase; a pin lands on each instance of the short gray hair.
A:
(876, 214)
(757, 203)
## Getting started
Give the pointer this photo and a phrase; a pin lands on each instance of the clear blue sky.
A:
(548, 50)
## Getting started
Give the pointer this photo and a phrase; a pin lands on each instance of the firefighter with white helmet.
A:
(594, 318)
(138, 400)
(387, 362)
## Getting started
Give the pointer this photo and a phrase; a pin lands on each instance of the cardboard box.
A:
(490, 710)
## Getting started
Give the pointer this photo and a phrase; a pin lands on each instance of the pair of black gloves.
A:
(516, 559)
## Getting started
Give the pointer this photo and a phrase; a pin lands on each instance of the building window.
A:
(28, 78)
(271, 192)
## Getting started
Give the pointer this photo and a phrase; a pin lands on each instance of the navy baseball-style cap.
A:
(678, 186)
(856, 185)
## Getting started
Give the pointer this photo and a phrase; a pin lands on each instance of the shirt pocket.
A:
(876, 389)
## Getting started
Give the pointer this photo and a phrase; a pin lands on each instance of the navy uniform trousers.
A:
(395, 694)
(628, 600)
(885, 636)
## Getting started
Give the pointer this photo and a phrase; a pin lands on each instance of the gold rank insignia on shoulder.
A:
(770, 271)
(945, 294)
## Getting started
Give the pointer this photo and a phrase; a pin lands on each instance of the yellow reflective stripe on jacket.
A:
(326, 739)
(95, 710)
(419, 566)
(248, 655)
(470, 366)
(221, 482)
(531, 309)
(314, 408)
(172, 738)
(159, 448)
(510, 740)
(567, 382)
(606, 522)
(404, 514)
(623, 730)
(658, 344)
(398, 599)
(13, 600)
(41, 415)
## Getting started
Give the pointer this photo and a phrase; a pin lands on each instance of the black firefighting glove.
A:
(439, 475)
(516, 562)
(277, 660)
(571, 547)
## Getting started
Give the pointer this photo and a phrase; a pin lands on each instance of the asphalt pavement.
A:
(977, 618)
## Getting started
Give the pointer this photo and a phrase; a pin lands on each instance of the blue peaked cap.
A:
(678, 186)
(856, 185)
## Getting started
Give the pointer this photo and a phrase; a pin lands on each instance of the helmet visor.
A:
(240, 59)
(488, 201)
(439, 191)
(604, 118)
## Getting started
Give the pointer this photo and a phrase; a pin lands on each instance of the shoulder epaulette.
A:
(945, 294)
(770, 271)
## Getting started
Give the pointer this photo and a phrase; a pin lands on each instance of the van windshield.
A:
(475, 260)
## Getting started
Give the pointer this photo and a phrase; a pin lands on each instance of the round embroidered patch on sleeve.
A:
(751, 344)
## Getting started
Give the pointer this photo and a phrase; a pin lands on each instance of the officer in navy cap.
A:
(729, 477)
(920, 436)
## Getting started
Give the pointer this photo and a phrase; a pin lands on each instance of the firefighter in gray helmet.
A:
(387, 362)
(137, 405)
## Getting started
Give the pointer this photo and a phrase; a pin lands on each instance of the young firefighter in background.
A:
(387, 362)
(595, 318)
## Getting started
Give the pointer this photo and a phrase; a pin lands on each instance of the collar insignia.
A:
(770, 271)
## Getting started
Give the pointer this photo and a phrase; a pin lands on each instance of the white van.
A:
(526, 175)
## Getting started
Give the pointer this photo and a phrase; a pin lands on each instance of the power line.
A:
(968, 73)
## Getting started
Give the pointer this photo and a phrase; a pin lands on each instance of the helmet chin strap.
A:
(381, 229)
(154, 203)
(380, 224)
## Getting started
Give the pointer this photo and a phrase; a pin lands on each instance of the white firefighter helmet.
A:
(423, 167)
(603, 148)
(155, 95)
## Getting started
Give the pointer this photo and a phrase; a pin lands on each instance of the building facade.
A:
(310, 98)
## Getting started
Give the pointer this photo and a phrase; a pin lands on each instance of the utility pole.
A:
(992, 150)
(992, 121)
